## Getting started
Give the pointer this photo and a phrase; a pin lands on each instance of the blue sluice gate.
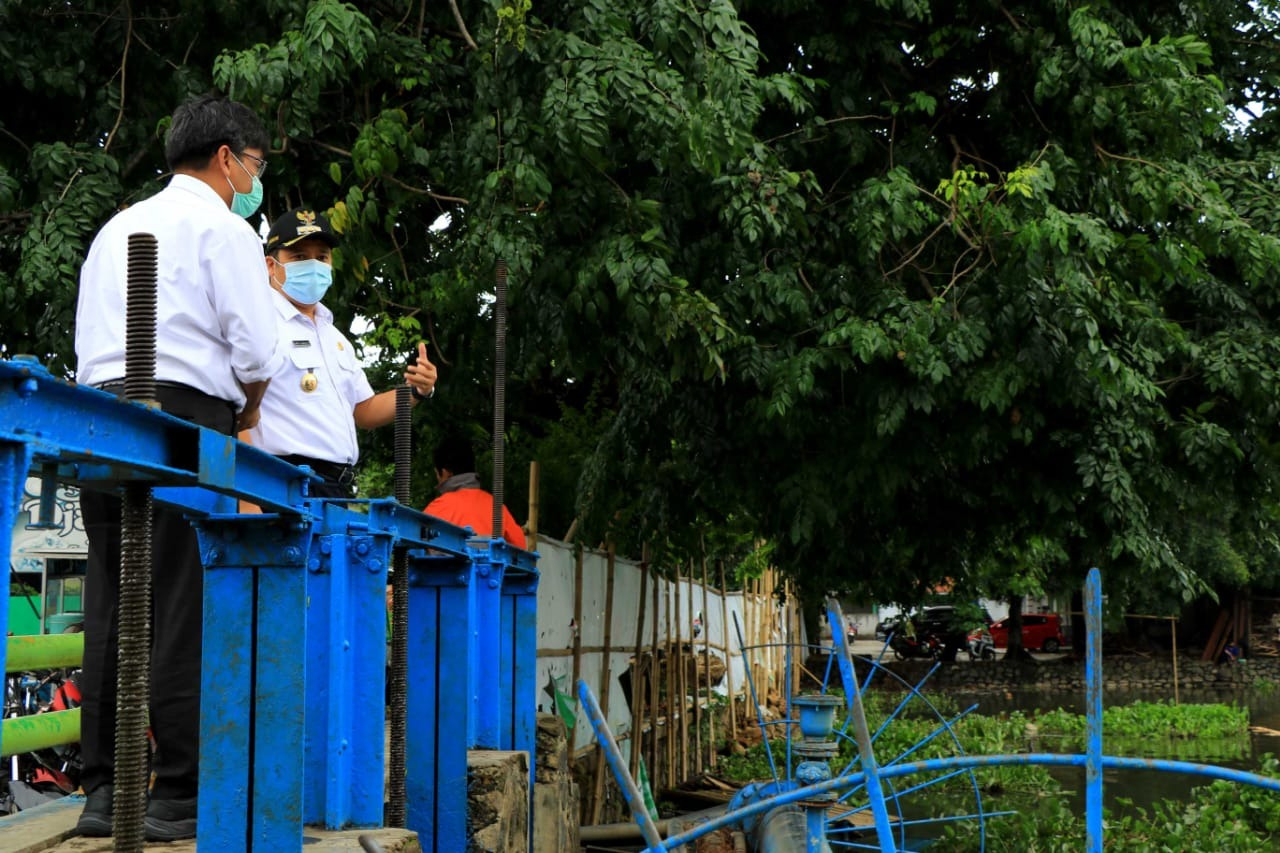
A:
(295, 639)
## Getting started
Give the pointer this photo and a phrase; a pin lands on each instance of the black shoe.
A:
(95, 820)
(170, 820)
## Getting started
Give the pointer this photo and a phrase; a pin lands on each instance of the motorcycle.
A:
(981, 646)
(50, 773)
(920, 646)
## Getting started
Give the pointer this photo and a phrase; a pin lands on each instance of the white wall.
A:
(556, 635)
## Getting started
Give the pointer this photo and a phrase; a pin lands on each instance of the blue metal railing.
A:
(292, 710)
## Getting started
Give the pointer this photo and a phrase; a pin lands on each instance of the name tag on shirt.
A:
(301, 344)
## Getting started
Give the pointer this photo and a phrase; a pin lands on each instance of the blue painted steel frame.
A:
(292, 714)
(15, 458)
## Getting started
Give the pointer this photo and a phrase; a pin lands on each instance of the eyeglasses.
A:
(262, 164)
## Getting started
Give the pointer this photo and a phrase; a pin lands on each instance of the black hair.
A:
(204, 124)
(454, 454)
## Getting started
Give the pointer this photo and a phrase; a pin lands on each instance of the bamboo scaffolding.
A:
(577, 626)
(697, 684)
(682, 685)
(639, 672)
(606, 679)
(794, 635)
(653, 685)
(532, 523)
(728, 656)
(671, 696)
(768, 622)
(743, 636)
(706, 664)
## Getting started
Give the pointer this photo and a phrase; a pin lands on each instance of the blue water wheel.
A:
(830, 743)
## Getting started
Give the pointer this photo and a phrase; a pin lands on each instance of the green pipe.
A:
(19, 735)
(44, 651)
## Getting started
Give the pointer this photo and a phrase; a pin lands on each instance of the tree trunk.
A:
(1013, 621)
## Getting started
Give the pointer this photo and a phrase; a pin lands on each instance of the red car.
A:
(1041, 631)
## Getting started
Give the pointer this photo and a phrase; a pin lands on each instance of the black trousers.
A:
(177, 602)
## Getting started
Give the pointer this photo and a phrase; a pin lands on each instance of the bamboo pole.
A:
(682, 684)
(728, 655)
(793, 635)
(577, 624)
(769, 624)
(533, 514)
(671, 696)
(639, 672)
(753, 640)
(697, 684)
(784, 658)
(748, 653)
(706, 664)
(606, 679)
(653, 685)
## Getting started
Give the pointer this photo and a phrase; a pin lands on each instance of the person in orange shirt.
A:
(462, 501)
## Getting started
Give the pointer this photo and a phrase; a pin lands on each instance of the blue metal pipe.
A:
(630, 792)
(1037, 759)
(862, 733)
(1093, 709)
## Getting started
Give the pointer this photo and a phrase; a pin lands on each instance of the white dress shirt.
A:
(214, 323)
(320, 423)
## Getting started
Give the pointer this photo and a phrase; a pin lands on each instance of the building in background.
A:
(47, 564)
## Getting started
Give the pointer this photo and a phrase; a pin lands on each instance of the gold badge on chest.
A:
(309, 382)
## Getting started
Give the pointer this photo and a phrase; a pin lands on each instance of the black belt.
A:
(332, 472)
(175, 390)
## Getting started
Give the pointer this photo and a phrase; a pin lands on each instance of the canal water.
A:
(1144, 787)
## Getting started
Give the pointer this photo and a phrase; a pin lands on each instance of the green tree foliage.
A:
(912, 290)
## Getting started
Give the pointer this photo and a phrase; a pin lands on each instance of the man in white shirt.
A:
(319, 396)
(216, 351)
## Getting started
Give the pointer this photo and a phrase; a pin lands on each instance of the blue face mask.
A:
(246, 204)
(305, 282)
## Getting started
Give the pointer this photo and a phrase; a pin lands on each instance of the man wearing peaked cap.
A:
(320, 396)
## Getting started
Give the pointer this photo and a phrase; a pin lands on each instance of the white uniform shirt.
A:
(320, 423)
(213, 302)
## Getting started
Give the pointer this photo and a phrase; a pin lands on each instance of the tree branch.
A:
(9, 133)
(391, 178)
(457, 16)
(437, 196)
(124, 62)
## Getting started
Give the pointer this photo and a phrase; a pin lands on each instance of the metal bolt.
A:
(27, 387)
(212, 556)
(362, 547)
(374, 566)
(293, 554)
(346, 645)
(483, 570)
(462, 578)
(314, 564)
(493, 583)
(326, 546)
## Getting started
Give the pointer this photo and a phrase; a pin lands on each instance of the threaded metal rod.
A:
(499, 393)
(133, 655)
(133, 674)
(400, 619)
(140, 318)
